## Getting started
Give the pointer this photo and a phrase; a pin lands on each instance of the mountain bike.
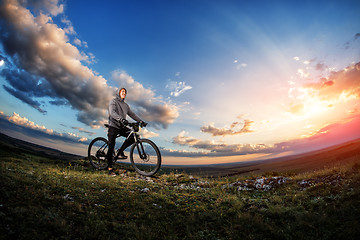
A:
(145, 156)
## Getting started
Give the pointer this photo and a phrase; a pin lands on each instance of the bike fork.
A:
(140, 149)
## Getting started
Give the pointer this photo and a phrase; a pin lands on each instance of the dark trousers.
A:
(112, 133)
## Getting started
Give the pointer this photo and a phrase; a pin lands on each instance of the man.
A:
(118, 110)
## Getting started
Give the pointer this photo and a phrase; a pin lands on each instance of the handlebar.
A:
(137, 124)
(132, 124)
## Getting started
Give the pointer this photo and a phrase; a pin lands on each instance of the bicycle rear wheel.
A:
(145, 157)
(97, 153)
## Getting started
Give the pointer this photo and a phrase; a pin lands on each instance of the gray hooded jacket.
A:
(118, 109)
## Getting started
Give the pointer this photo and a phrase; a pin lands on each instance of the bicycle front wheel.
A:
(97, 153)
(145, 157)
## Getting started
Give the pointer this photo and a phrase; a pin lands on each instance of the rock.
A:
(145, 190)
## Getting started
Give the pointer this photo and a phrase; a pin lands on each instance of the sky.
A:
(217, 81)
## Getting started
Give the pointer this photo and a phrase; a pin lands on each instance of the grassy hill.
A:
(42, 197)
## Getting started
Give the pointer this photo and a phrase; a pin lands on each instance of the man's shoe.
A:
(112, 173)
(122, 156)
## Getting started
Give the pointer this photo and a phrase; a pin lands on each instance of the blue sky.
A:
(218, 81)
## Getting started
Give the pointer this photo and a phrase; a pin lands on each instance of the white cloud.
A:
(83, 130)
(24, 122)
(177, 88)
(69, 29)
(236, 128)
(296, 58)
(148, 134)
(240, 65)
(77, 41)
(302, 73)
(211, 147)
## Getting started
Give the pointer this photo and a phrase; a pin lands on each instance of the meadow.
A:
(42, 197)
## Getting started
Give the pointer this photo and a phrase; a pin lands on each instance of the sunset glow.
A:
(218, 81)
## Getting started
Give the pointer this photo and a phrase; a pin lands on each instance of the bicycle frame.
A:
(141, 150)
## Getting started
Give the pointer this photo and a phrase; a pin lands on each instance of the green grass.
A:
(42, 198)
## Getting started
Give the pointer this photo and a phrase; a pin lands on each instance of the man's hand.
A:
(143, 124)
(124, 122)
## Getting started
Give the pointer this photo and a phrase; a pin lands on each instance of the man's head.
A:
(122, 93)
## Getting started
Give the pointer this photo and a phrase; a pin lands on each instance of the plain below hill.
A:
(348, 152)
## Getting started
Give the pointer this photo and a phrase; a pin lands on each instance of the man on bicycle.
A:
(118, 110)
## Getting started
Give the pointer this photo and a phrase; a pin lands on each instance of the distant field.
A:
(341, 154)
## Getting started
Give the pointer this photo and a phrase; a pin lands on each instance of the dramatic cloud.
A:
(25, 87)
(219, 148)
(342, 85)
(46, 64)
(25, 98)
(327, 92)
(83, 130)
(43, 63)
(236, 128)
(50, 133)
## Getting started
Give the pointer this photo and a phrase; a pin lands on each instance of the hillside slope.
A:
(8, 143)
(340, 154)
(45, 198)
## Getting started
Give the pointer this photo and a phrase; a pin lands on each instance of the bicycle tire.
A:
(97, 152)
(150, 165)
